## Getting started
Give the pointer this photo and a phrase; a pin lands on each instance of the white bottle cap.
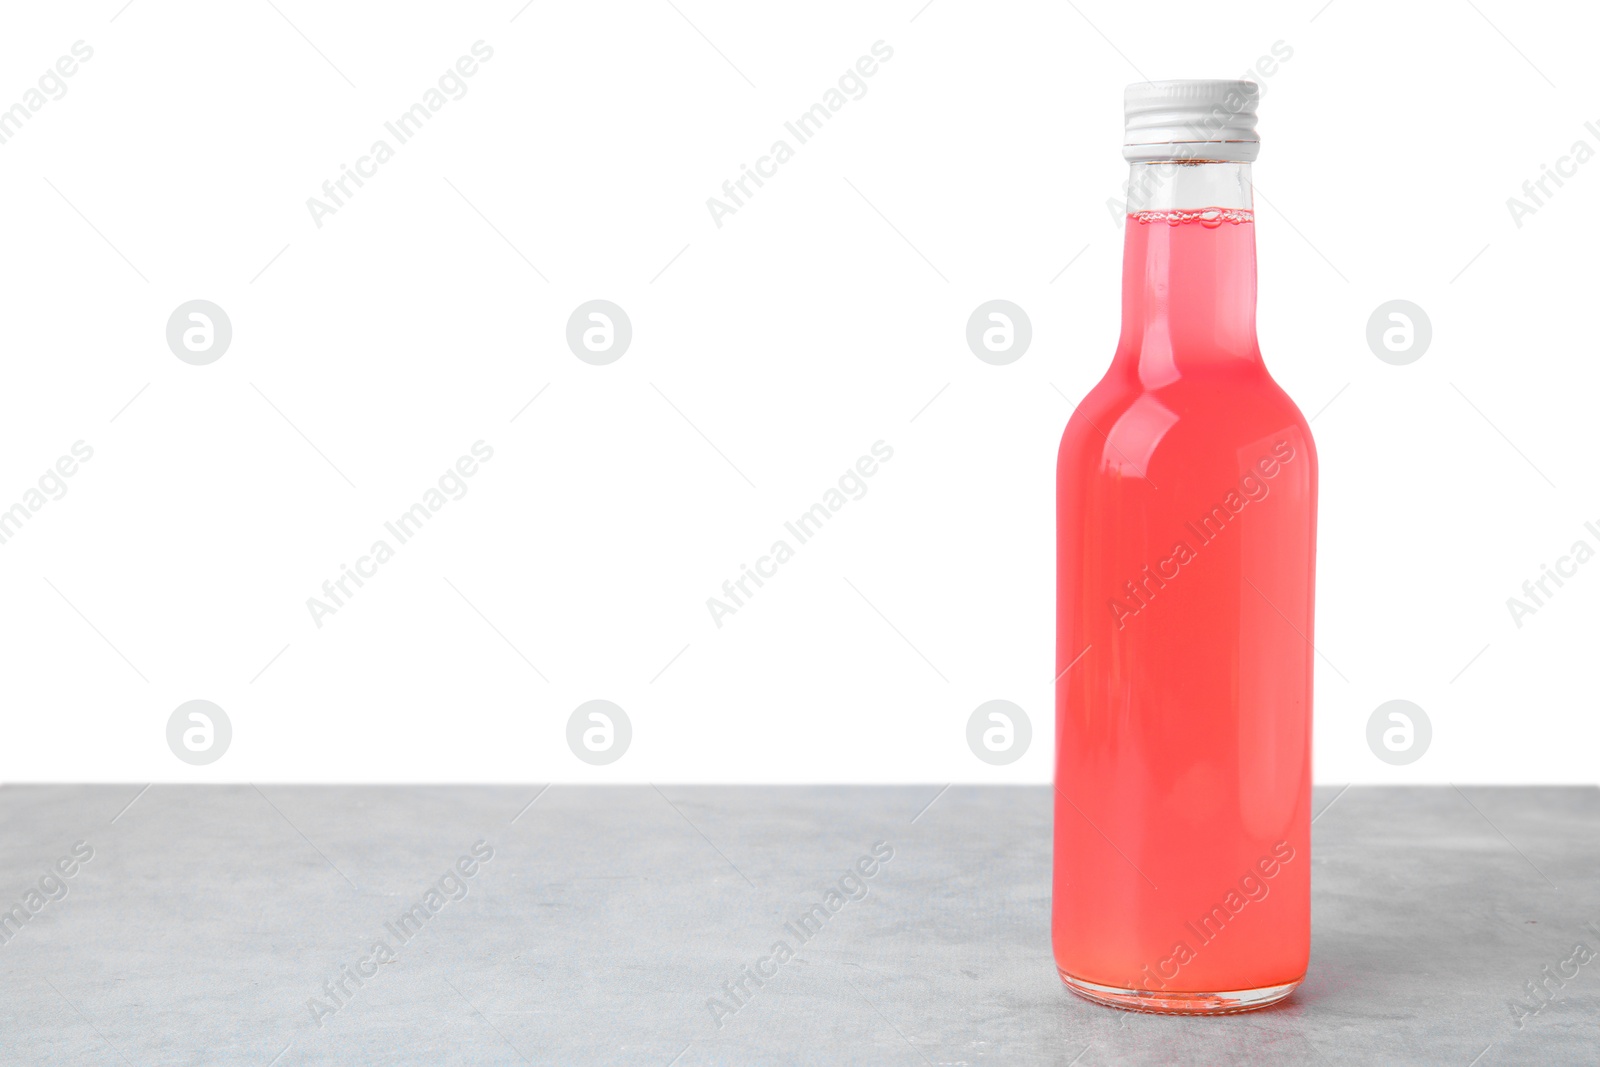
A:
(1191, 120)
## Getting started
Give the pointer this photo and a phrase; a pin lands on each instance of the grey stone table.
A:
(573, 925)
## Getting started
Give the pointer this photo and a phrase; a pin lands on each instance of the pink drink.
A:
(1186, 505)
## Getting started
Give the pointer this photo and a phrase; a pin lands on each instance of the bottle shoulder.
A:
(1213, 418)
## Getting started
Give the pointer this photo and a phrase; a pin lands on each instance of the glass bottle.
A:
(1186, 536)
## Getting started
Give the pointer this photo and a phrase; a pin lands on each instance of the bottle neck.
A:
(1188, 270)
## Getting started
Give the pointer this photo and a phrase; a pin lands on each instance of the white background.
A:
(822, 317)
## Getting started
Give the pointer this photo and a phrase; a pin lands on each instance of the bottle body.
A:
(1186, 535)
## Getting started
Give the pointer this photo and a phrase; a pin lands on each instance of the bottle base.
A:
(1168, 1002)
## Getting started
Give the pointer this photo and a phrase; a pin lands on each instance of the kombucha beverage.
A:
(1186, 529)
